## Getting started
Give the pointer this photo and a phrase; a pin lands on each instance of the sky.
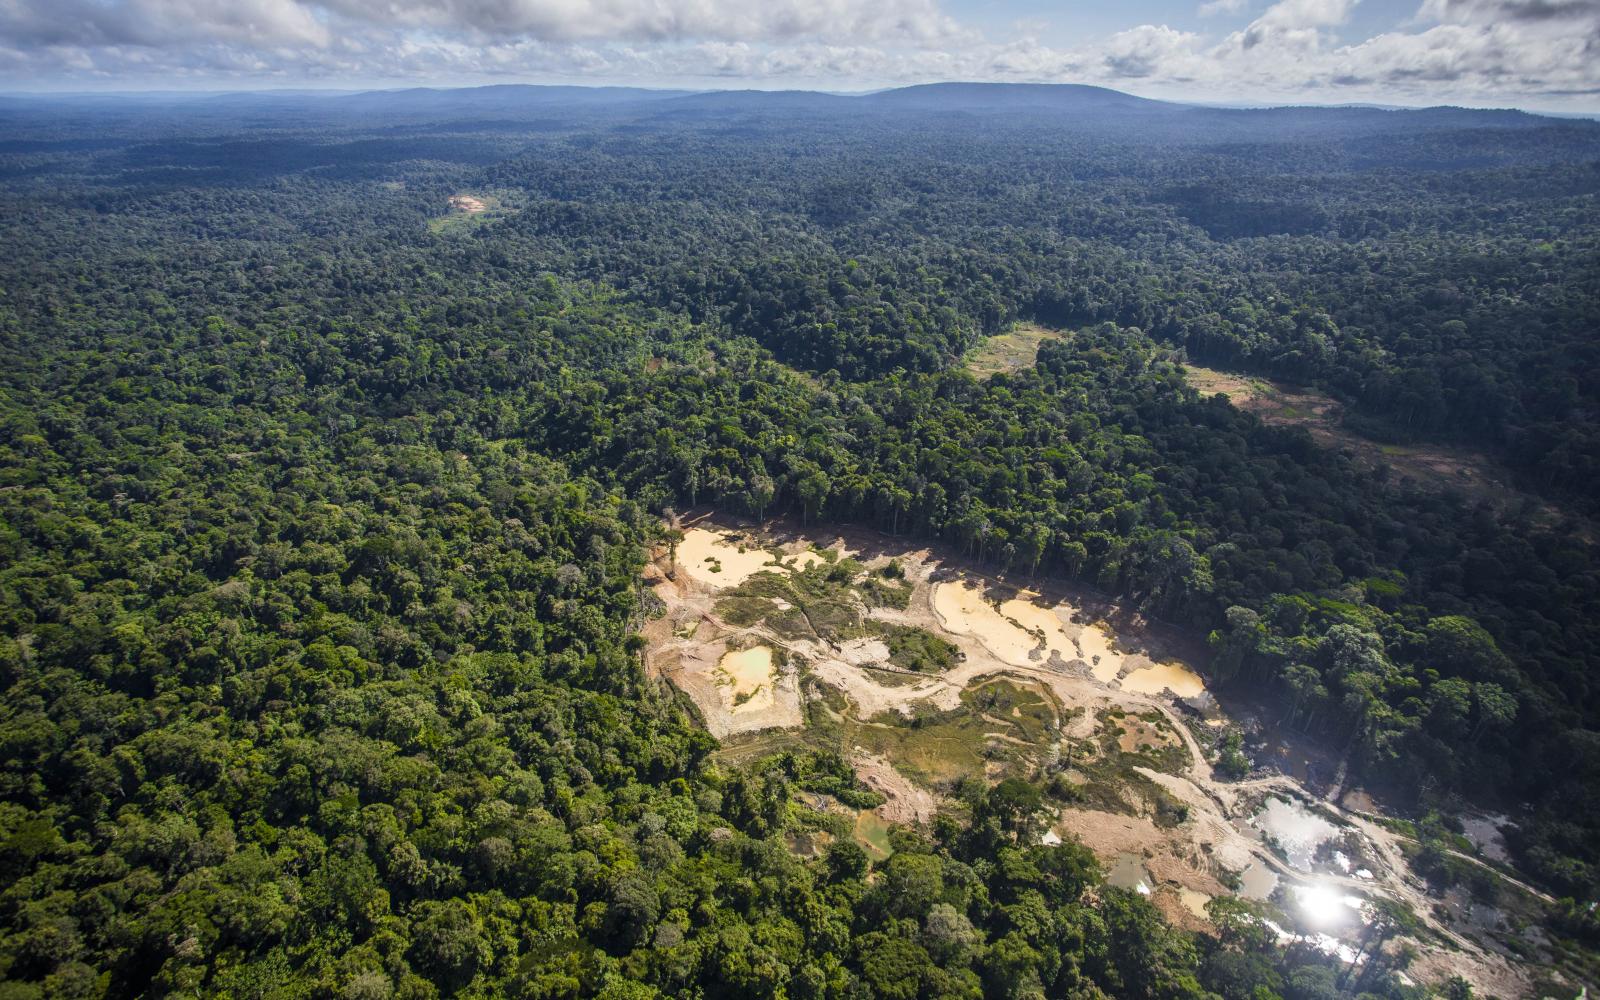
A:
(1537, 54)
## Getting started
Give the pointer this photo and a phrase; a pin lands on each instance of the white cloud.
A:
(1148, 50)
(1215, 7)
(170, 22)
(1463, 51)
(1292, 14)
(1290, 27)
(166, 23)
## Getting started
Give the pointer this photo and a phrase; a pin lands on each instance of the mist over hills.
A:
(512, 99)
(353, 131)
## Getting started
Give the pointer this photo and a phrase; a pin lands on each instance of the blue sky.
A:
(1542, 54)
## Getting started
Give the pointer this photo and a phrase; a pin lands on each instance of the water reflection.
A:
(1129, 873)
(1296, 830)
(1258, 882)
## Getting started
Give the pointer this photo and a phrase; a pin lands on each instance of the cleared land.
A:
(1014, 350)
(1432, 467)
(923, 672)
(468, 210)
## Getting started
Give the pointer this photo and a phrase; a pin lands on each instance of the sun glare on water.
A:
(1324, 907)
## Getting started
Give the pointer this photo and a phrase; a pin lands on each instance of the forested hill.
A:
(481, 107)
(1070, 98)
(323, 505)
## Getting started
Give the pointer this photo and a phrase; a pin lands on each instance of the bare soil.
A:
(907, 803)
(1433, 467)
(466, 211)
(1188, 828)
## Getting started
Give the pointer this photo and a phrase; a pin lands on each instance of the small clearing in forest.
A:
(466, 211)
(1014, 350)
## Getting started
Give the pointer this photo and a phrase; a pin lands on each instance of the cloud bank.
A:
(1530, 52)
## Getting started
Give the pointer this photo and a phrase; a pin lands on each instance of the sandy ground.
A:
(723, 559)
(1090, 659)
(736, 691)
(907, 803)
(468, 203)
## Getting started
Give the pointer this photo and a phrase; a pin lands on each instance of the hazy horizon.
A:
(1529, 54)
(667, 88)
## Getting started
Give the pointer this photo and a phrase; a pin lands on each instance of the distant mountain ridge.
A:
(508, 95)
(514, 102)
(983, 96)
